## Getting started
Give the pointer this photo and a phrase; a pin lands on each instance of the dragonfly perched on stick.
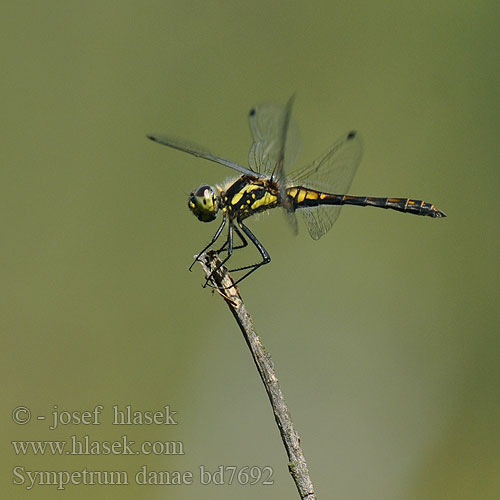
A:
(316, 191)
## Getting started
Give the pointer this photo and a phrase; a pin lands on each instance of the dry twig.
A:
(296, 462)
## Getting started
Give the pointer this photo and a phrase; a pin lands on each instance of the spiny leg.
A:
(266, 258)
(214, 239)
(244, 242)
(229, 242)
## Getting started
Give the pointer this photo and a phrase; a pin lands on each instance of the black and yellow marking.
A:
(306, 198)
(264, 186)
(250, 195)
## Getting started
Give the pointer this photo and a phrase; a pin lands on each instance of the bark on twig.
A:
(296, 462)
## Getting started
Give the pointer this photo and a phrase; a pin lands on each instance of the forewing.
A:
(333, 173)
(267, 122)
(199, 151)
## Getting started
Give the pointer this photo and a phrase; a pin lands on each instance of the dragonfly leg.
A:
(230, 249)
(214, 239)
(244, 242)
(266, 258)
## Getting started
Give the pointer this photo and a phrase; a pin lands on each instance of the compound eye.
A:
(203, 203)
(204, 192)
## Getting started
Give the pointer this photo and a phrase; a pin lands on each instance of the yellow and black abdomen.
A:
(305, 198)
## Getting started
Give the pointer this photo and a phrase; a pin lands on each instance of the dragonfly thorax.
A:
(204, 203)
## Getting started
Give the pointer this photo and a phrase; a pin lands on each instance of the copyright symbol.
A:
(21, 415)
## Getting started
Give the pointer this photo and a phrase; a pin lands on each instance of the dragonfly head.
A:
(204, 203)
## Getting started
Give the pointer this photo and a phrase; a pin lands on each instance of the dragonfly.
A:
(317, 191)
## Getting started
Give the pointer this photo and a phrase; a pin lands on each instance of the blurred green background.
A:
(384, 333)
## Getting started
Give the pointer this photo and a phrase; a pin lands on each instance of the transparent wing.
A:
(332, 172)
(199, 151)
(267, 123)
